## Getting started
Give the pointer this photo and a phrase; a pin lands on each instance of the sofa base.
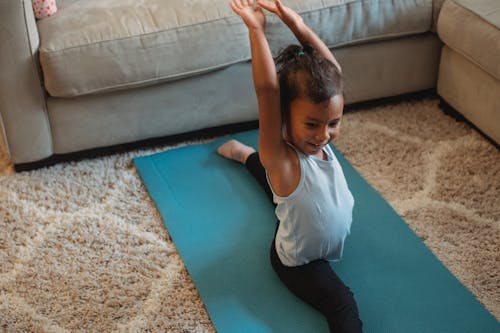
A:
(203, 134)
(457, 116)
(471, 91)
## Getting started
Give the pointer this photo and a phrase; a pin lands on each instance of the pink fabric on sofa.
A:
(44, 8)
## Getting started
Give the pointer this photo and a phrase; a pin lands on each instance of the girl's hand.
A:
(253, 16)
(286, 14)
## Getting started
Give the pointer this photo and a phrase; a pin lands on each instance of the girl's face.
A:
(312, 126)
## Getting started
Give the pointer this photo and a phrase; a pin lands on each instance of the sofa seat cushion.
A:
(472, 28)
(95, 46)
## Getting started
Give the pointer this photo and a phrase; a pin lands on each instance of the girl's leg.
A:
(317, 284)
(254, 166)
(235, 150)
(246, 155)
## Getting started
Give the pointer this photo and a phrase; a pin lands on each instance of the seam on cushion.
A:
(391, 36)
(163, 79)
(355, 40)
(135, 36)
(473, 61)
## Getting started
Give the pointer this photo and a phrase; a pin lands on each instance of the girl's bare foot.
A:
(235, 150)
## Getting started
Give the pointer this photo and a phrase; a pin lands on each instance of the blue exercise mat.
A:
(222, 225)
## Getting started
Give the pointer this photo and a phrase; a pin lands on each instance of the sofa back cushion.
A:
(95, 46)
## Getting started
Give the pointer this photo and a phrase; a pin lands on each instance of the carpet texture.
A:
(82, 247)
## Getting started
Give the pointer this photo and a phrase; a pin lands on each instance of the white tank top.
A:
(316, 218)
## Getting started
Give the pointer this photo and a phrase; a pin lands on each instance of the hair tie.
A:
(300, 53)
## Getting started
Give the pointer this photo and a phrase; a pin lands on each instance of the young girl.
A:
(300, 109)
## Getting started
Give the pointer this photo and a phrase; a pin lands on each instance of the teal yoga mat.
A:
(222, 225)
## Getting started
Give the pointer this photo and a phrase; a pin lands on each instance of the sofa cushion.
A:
(94, 46)
(472, 29)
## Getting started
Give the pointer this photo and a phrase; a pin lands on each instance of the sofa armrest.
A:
(436, 9)
(5, 162)
(22, 96)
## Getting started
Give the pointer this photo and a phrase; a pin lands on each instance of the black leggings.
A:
(314, 283)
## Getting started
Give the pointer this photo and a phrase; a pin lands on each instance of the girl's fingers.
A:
(267, 5)
(263, 3)
(233, 6)
(278, 4)
(240, 4)
(237, 4)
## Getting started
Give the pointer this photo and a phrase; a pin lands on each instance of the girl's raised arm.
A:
(266, 83)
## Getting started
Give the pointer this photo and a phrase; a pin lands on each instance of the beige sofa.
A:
(101, 73)
(469, 72)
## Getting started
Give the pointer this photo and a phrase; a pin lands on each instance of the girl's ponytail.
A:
(292, 53)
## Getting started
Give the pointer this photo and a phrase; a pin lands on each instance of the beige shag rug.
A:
(83, 249)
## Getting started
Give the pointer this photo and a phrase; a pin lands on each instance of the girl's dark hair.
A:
(304, 72)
